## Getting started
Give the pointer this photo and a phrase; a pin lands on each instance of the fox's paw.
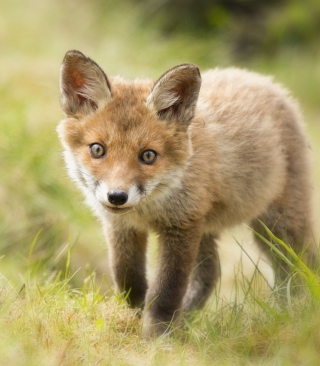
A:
(154, 328)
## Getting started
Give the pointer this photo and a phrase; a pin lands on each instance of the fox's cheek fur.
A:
(97, 178)
(71, 133)
(141, 189)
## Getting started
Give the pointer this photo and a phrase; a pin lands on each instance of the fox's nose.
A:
(117, 197)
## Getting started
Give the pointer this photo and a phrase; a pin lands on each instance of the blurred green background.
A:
(42, 214)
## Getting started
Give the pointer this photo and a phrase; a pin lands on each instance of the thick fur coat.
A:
(185, 157)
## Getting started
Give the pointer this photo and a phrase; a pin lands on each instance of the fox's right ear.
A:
(84, 86)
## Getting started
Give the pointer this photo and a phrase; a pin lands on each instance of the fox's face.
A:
(125, 143)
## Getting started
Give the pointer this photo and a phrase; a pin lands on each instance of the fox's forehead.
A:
(127, 106)
(128, 94)
(134, 90)
(126, 118)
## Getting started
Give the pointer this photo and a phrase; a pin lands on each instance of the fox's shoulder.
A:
(234, 73)
(238, 80)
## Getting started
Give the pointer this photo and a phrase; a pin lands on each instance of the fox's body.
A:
(184, 162)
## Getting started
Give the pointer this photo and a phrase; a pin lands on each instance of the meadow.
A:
(57, 305)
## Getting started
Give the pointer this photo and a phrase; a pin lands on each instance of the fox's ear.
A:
(84, 86)
(175, 94)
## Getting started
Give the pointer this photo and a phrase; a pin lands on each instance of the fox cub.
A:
(184, 157)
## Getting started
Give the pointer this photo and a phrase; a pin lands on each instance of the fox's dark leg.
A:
(292, 227)
(178, 249)
(127, 253)
(204, 276)
(289, 217)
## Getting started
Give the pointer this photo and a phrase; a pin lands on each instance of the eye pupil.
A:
(97, 150)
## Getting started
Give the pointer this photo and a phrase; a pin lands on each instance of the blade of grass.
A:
(33, 244)
(296, 264)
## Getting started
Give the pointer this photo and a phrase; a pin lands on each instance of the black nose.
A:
(117, 198)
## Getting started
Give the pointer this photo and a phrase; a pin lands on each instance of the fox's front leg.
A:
(178, 249)
(127, 254)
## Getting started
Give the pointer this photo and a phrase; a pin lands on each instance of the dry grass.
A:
(49, 322)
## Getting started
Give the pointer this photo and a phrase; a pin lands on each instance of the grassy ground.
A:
(54, 306)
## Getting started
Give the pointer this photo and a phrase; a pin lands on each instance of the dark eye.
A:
(97, 150)
(148, 157)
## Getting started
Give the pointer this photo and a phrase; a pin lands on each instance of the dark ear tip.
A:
(73, 54)
(191, 68)
(196, 69)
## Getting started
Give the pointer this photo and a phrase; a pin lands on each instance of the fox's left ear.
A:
(175, 94)
(83, 84)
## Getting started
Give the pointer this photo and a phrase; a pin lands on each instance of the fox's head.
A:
(125, 142)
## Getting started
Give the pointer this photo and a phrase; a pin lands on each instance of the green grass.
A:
(56, 301)
(48, 321)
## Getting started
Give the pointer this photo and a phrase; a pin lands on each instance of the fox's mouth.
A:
(118, 210)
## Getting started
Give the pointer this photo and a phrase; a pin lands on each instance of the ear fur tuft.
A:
(83, 84)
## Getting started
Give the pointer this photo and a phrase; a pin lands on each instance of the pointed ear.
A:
(175, 94)
(84, 86)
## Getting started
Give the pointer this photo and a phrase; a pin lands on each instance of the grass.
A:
(48, 321)
(56, 302)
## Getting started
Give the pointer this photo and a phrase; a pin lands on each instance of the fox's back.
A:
(248, 140)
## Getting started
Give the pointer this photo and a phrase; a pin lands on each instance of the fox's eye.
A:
(97, 150)
(148, 157)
